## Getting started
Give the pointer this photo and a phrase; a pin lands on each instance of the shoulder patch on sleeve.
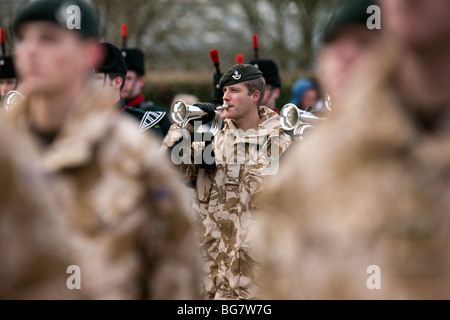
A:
(150, 119)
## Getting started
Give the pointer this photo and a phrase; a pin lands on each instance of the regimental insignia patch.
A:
(150, 119)
(236, 75)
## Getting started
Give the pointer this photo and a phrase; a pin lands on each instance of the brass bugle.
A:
(291, 116)
(297, 120)
(183, 113)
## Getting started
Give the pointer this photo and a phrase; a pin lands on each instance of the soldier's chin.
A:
(224, 114)
(34, 87)
(41, 87)
(229, 112)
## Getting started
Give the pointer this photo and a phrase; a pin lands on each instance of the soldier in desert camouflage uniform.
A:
(227, 192)
(33, 255)
(129, 230)
(363, 206)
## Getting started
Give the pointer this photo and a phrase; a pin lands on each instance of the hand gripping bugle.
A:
(183, 113)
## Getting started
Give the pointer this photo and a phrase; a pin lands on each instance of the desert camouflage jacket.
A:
(226, 197)
(128, 227)
(33, 259)
(363, 203)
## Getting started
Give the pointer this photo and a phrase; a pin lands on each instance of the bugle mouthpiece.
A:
(225, 106)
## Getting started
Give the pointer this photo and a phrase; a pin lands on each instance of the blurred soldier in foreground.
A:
(362, 207)
(230, 175)
(347, 45)
(129, 230)
(34, 256)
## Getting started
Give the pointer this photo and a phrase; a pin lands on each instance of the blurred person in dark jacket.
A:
(111, 75)
(132, 91)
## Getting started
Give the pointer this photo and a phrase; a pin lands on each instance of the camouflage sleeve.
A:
(169, 239)
(283, 142)
(275, 147)
(181, 152)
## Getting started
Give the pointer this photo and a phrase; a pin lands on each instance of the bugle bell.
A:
(12, 98)
(183, 113)
(297, 120)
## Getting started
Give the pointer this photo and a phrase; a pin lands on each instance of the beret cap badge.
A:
(236, 75)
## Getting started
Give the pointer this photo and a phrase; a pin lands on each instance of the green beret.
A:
(113, 62)
(350, 12)
(239, 73)
(7, 69)
(61, 13)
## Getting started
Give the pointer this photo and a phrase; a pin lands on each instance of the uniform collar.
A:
(135, 102)
(121, 105)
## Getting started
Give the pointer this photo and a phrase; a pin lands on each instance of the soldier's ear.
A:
(256, 95)
(117, 83)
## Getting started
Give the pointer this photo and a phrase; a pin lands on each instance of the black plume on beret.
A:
(134, 59)
(270, 71)
(7, 69)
